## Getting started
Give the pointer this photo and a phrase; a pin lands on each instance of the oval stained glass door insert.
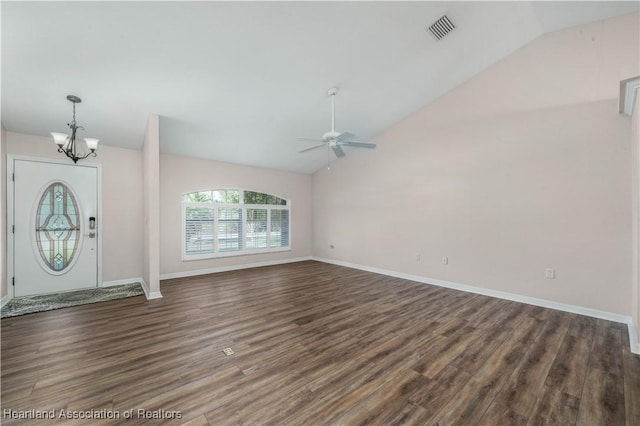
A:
(57, 228)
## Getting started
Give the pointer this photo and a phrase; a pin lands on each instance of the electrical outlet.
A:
(417, 257)
(549, 273)
(228, 351)
(445, 260)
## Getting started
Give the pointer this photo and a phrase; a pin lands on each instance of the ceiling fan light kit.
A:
(67, 144)
(334, 140)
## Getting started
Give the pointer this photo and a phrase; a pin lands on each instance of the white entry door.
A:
(56, 232)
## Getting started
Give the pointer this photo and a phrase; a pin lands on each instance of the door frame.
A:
(11, 213)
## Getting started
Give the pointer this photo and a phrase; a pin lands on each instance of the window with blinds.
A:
(257, 230)
(279, 235)
(199, 235)
(229, 229)
(228, 222)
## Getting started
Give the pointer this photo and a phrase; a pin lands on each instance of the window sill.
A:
(187, 258)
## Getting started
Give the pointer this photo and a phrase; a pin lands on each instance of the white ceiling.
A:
(239, 82)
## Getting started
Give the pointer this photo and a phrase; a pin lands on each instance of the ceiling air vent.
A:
(441, 27)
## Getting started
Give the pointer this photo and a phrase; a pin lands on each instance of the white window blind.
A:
(279, 236)
(229, 229)
(256, 229)
(199, 226)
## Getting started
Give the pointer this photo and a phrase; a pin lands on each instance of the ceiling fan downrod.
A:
(332, 92)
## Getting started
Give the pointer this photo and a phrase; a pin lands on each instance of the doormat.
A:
(48, 302)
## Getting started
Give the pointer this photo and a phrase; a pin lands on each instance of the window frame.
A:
(243, 207)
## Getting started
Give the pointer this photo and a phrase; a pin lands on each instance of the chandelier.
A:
(68, 145)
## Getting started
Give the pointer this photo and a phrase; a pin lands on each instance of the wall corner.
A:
(151, 206)
(3, 213)
(635, 281)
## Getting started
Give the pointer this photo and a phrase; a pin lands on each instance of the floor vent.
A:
(441, 27)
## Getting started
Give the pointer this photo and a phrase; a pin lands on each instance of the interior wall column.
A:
(635, 140)
(4, 290)
(151, 207)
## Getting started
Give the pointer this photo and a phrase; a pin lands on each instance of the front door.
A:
(56, 233)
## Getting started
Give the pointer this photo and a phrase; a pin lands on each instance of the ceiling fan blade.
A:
(310, 140)
(343, 136)
(338, 151)
(358, 144)
(311, 148)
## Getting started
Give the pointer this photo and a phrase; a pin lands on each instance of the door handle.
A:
(92, 227)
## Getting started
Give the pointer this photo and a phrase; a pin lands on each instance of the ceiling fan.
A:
(335, 140)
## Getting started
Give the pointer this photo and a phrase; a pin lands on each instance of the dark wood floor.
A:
(321, 344)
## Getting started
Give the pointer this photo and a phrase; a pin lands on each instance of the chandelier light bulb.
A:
(60, 138)
(92, 144)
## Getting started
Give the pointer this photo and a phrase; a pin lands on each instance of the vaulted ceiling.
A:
(241, 81)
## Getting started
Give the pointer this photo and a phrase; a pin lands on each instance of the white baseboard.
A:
(231, 268)
(121, 282)
(500, 295)
(154, 295)
(4, 300)
(633, 339)
(147, 291)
